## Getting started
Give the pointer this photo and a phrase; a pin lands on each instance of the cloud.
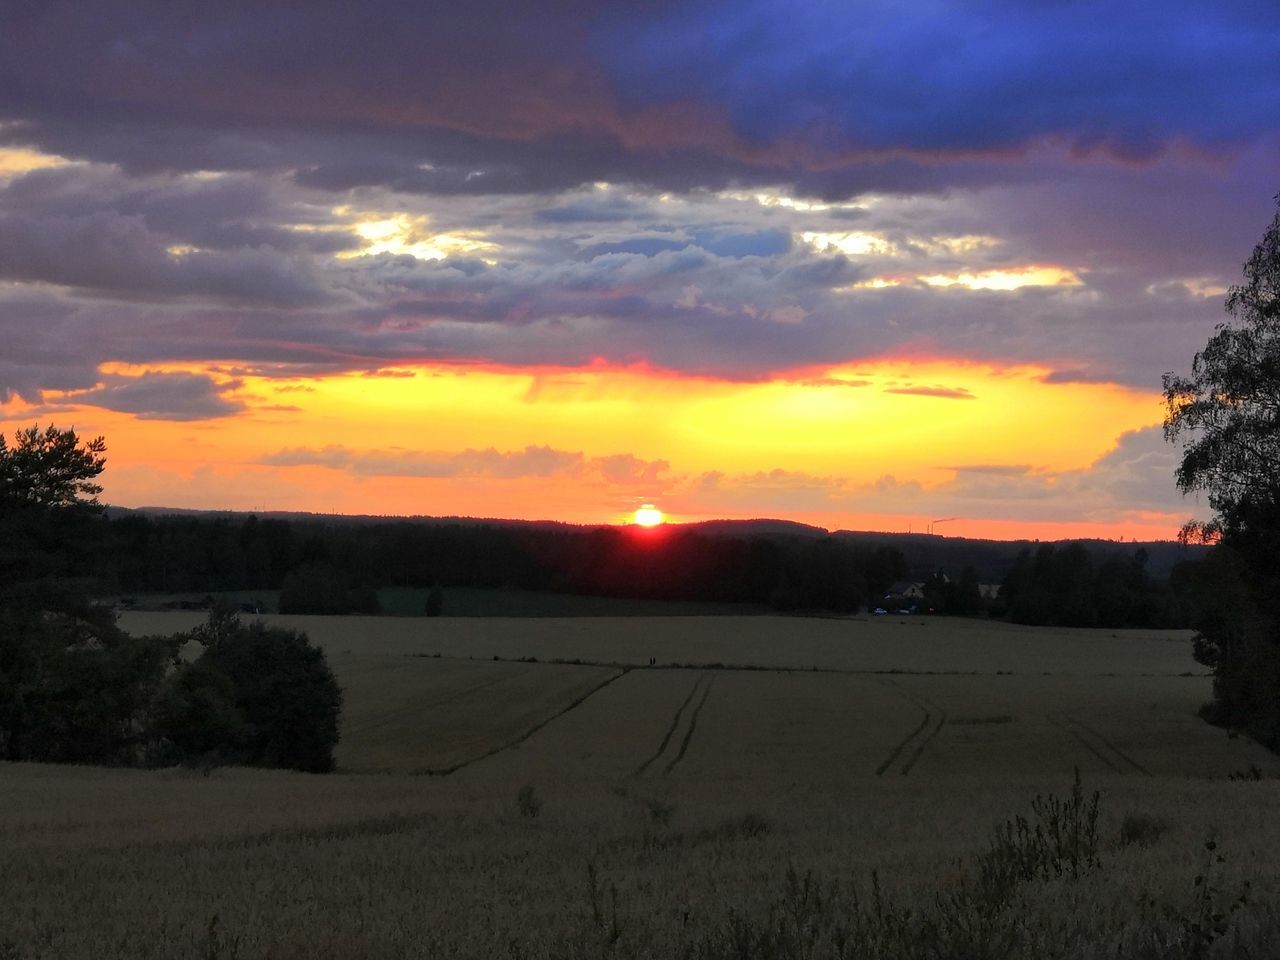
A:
(883, 77)
(944, 393)
(532, 461)
(641, 195)
(995, 469)
(628, 469)
(833, 382)
(161, 396)
(622, 469)
(495, 98)
(1134, 481)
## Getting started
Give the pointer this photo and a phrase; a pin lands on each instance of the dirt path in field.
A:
(703, 681)
(1098, 745)
(913, 745)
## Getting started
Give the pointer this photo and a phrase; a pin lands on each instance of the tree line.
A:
(334, 566)
(1069, 585)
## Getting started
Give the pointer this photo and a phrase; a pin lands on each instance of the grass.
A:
(679, 812)
(419, 715)
(115, 864)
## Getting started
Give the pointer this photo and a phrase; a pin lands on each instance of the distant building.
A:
(906, 590)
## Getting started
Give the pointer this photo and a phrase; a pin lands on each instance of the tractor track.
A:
(693, 725)
(671, 730)
(930, 726)
(1098, 745)
(446, 771)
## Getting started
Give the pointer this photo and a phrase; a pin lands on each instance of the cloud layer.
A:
(744, 191)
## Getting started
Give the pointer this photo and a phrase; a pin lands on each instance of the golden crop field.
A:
(909, 644)
(661, 801)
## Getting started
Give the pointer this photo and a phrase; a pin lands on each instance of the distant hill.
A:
(992, 559)
(925, 553)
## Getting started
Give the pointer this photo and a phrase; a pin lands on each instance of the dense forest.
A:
(335, 565)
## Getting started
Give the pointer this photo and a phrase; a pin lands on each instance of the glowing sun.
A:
(647, 515)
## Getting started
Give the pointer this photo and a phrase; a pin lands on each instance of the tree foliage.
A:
(1227, 412)
(50, 468)
(72, 686)
(1226, 415)
(1067, 585)
(75, 688)
(257, 696)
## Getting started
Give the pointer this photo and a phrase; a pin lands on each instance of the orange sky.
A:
(888, 445)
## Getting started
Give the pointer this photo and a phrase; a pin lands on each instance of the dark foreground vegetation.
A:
(75, 688)
(1031, 892)
(1226, 414)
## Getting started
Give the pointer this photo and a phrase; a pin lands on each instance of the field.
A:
(676, 769)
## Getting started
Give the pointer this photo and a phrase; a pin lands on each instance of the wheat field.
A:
(661, 800)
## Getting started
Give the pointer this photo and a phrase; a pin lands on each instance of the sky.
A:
(869, 265)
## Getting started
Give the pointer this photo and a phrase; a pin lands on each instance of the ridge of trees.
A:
(334, 567)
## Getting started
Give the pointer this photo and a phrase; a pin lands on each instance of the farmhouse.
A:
(906, 590)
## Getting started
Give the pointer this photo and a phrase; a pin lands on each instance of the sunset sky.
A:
(866, 265)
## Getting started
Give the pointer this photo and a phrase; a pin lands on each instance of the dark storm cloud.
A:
(493, 97)
(961, 76)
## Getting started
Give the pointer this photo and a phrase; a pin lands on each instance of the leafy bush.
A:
(258, 695)
(75, 691)
(197, 713)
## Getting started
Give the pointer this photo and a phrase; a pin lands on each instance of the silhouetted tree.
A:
(1226, 415)
(435, 601)
(72, 686)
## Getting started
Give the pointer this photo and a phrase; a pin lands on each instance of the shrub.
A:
(660, 811)
(197, 713)
(258, 695)
(527, 802)
(75, 691)
(435, 601)
(1142, 829)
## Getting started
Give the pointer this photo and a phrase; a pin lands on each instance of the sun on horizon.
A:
(647, 515)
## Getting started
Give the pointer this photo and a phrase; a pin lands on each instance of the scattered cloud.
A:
(943, 393)
(305, 190)
(532, 461)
